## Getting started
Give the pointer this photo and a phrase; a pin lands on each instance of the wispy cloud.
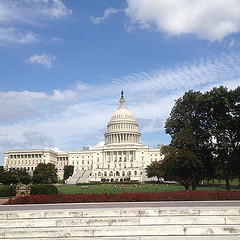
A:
(16, 106)
(77, 116)
(12, 35)
(30, 11)
(188, 76)
(17, 16)
(107, 13)
(210, 20)
(44, 60)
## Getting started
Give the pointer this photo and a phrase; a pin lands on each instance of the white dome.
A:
(122, 114)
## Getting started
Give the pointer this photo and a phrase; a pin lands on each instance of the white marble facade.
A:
(121, 158)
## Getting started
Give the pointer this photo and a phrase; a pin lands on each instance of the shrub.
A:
(45, 189)
(5, 191)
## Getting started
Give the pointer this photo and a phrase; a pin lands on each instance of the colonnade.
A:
(123, 156)
(122, 137)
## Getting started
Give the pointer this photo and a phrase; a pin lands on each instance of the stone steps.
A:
(85, 176)
(74, 178)
(127, 223)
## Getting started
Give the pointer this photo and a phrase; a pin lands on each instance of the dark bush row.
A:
(45, 189)
(6, 190)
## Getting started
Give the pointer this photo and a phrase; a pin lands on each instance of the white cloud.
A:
(27, 13)
(30, 11)
(188, 76)
(210, 20)
(11, 35)
(54, 8)
(44, 60)
(61, 96)
(16, 106)
(107, 13)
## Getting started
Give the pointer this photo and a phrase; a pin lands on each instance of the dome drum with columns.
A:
(122, 158)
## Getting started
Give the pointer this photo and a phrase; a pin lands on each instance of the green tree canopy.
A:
(155, 169)
(45, 173)
(68, 171)
(222, 109)
(183, 166)
(189, 154)
(2, 174)
(14, 176)
(207, 128)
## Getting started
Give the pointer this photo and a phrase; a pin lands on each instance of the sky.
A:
(63, 64)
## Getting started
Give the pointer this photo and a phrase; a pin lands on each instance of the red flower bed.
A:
(128, 197)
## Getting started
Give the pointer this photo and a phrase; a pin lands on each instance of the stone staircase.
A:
(74, 178)
(151, 223)
(84, 177)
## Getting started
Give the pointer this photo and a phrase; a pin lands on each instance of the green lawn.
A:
(109, 188)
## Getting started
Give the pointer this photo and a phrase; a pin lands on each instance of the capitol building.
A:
(122, 158)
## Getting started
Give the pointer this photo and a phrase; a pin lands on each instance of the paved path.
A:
(175, 204)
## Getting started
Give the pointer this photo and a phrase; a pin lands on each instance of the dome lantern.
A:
(122, 101)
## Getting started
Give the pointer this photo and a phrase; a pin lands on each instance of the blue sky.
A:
(63, 64)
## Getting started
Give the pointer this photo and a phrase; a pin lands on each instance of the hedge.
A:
(5, 190)
(44, 189)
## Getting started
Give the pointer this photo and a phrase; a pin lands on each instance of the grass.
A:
(131, 188)
(109, 188)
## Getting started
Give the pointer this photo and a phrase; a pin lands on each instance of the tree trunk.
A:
(186, 186)
(227, 183)
(194, 186)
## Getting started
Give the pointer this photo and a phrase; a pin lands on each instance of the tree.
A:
(222, 108)
(45, 173)
(155, 169)
(14, 176)
(2, 172)
(68, 171)
(24, 176)
(182, 165)
(189, 146)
